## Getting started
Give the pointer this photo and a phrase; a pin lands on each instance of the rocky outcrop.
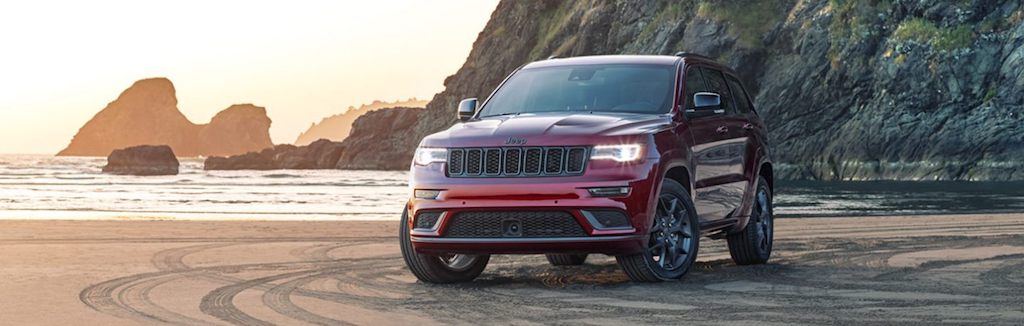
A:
(851, 90)
(142, 160)
(337, 127)
(239, 128)
(147, 113)
(379, 140)
(377, 146)
(321, 154)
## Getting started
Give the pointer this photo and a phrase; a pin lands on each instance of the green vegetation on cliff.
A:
(751, 18)
(935, 89)
(941, 38)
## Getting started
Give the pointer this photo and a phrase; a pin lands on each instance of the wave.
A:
(158, 211)
(192, 184)
(280, 175)
(77, 177)
(9, 174)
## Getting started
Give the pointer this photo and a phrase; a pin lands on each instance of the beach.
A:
(953, 269)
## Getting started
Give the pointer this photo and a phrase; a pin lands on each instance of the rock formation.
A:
(238, 129)
(321, 154)
(903, 90)
(379, 140)
(377, 146)
(147, 113)
(142, 160)
(337, 127)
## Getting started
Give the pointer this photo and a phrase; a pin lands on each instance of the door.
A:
(719, 146)
(754, 136)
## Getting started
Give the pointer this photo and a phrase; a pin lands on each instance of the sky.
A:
(61, 62)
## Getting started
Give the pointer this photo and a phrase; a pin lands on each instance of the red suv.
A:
(631, 156)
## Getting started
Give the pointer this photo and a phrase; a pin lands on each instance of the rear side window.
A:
(694, 84)
(740, 94)
(717, 84)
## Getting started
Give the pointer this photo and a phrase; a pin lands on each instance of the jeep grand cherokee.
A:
(631, 156)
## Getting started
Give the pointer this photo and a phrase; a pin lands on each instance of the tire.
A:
(680, 220)
(433, 268)
(566, 259)
(753, 244)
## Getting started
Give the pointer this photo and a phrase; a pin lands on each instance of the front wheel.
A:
(445, 268)
(753, 244)
(673, 239)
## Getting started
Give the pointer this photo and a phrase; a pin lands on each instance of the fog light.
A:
(426, 220)
(608, 191)
(607, 219)
(426, 193)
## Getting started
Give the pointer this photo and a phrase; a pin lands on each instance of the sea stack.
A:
(147, 113)
(142, 160)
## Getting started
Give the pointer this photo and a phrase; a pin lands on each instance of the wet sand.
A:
(955, 269)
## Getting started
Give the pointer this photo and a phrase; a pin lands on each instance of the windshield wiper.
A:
(503, 114)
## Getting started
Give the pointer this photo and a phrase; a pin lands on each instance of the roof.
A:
(667, 60)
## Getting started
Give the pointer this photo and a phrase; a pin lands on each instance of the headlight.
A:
(426, 156)
(618, 153)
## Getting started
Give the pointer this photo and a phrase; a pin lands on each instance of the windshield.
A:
(588, 88)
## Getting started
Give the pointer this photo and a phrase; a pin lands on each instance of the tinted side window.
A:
(694, 84)
(740, 94)
(717, 84)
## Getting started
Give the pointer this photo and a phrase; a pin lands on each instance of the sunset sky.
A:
(63, 61)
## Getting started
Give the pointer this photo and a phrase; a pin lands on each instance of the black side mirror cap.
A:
(705, 105)
(467, 109)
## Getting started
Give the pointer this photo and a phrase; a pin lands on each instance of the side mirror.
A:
(467, 108)
(705, 105)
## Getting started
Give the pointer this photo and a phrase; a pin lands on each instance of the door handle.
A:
(722, 129)
(748, 126)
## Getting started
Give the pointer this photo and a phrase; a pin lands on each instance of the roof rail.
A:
(553, 56)
(692, 55)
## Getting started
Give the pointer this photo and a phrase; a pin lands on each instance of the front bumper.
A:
(609, 245)
(562, 194)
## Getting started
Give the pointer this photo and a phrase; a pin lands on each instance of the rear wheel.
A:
(753, 245)
(673, 241)
(444, 268)
(566, 259)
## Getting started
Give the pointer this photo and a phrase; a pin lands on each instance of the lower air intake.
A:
(528, 224)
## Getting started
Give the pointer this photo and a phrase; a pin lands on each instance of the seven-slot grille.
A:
(516, 161)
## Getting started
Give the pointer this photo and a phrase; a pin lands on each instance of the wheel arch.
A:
(680, 174)
(765, 171)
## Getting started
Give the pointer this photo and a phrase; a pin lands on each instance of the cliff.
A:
(147, 114)
(898, 90)
(337, 127)
(379, 140)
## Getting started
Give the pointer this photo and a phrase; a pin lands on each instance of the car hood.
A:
(545, 129)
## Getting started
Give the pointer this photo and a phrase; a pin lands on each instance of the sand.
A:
(953, 269)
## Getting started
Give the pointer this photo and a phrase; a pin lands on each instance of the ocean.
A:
(47, 187)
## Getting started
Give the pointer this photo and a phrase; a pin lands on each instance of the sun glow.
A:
(63, 61)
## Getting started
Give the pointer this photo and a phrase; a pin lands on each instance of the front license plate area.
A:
(511, 228)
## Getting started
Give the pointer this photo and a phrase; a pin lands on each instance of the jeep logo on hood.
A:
(515, 141)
